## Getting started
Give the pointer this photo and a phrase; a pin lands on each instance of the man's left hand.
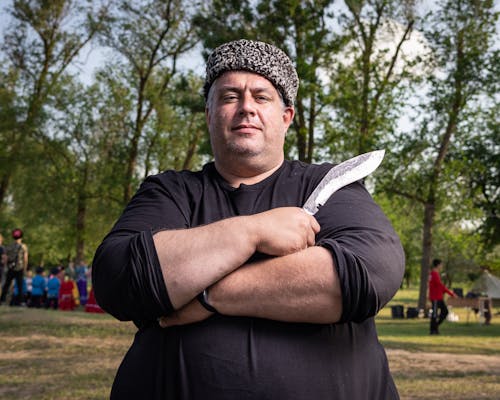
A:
(190, 313)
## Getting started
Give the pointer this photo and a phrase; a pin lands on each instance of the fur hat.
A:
(257, 57)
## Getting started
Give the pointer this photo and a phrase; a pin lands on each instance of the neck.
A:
(237, 175)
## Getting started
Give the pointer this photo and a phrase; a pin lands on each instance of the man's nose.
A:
(247, 105)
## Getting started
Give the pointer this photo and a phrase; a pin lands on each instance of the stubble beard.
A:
(239, 150)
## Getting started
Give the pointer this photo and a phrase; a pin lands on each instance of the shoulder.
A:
(299, 167)
(183, 175)
(314, 172)
(306, 174)
(176, 182)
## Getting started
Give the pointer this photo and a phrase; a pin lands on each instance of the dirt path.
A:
(409, 363)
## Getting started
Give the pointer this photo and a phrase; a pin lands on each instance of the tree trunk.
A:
(131, 163)
(429, 210)
(300, 129)
(193, 144)
(4, 185)
(312, 120)
(14, 159)
(80, 227)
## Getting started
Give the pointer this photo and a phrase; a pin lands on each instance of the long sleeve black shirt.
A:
(227, 357)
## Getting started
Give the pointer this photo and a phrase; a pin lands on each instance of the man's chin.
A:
(242, 151)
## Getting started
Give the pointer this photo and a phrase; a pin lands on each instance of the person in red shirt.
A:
(436, 292)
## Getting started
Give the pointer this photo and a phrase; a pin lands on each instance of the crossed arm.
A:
(140, 272)
(298, 284)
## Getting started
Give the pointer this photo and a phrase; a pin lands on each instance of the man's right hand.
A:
(284, 230)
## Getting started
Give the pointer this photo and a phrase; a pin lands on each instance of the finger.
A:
(162, 321)
(311, 239)
(315, 225)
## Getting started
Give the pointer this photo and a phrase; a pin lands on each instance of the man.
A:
(437, 289)
(17, 262)
(259, 299)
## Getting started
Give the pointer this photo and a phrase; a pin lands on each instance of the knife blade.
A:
(340, 175)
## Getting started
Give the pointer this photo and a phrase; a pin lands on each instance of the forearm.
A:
(300, 287)
(192, 259)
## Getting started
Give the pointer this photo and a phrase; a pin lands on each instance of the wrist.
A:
(204, 301)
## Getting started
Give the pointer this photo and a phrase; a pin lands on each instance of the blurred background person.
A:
(437, 289)
(38, 288)
(17, 262)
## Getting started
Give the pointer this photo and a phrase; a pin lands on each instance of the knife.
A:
(340, 175)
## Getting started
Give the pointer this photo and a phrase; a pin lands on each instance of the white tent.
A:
(488, 285)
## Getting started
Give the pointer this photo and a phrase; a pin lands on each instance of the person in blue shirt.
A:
(53, 286)
(38, 288)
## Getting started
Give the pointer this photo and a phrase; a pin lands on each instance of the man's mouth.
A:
(245, 128)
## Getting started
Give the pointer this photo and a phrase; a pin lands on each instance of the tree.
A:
(45, 38)
(149, 36)
(371, 74)
(460, 34)
(479, 165)
(178, 138)
(301, 28)
(405, 217)
(55, 205)
(83, 164)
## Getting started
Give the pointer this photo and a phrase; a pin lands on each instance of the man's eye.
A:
(230, 97)
(262, 98)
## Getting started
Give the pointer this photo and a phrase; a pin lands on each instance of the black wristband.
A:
(203, 299)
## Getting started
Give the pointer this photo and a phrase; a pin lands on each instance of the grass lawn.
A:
(462, 363)
(46, 354)
(56, 355)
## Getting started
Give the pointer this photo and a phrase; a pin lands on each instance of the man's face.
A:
(247, 121)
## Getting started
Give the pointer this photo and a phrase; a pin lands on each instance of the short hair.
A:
(436, 262)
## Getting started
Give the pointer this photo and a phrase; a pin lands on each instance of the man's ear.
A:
(288, 115)
(207, 116)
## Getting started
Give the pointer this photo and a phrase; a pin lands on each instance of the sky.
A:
(93, 56)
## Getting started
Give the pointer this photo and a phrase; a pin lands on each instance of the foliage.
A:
(72, 153)
(406, 218)
(149, 36)
(43, 41)
(371, 74)
(300, 28)
(460, 35)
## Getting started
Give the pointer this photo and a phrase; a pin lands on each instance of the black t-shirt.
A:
(240, 357)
